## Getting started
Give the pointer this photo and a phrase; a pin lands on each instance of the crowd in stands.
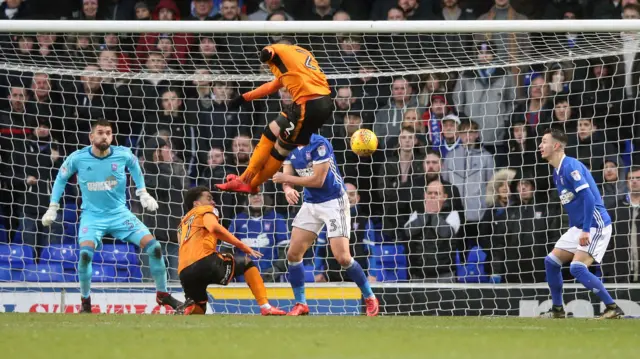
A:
(457, 191)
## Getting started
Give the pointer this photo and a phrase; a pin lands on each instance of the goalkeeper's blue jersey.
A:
(102, 181)
(318, 151)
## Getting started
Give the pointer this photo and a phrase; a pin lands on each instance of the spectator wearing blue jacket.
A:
(261, 228)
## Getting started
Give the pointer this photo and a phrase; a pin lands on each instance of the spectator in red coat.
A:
(166, 10)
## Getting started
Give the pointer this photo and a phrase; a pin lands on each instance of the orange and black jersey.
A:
(198, 235)
(296, 70)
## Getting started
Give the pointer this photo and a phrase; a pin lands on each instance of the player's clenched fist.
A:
(291, 195)
(51, 214)
(146, 200)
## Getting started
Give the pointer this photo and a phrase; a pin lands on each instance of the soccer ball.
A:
(364, 142)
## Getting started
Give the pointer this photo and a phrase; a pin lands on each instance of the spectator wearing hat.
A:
(166, 10)
(142, 11)
(486, 96)
(470, 167)
(532, 227)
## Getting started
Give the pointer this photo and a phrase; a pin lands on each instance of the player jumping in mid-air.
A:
(325, 203)
(590, 227)
(103, 183)
(296, 70)
(199, 263)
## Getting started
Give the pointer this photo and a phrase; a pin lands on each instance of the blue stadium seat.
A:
(129, 274)
(50, 272)
(8, 275)
(120, 254)
(104, 273)
(66, 254)
(70, 213)
(392, 261)
(15, 256)
(472, 270)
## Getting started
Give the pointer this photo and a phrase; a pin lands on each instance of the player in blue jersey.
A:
(103, 183)
(590, 227)
(325, 203)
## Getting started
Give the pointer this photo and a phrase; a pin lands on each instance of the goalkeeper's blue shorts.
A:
(124, 226)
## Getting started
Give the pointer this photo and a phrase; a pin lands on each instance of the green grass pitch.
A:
(156, 336)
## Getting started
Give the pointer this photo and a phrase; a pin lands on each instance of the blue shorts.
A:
(124, 226)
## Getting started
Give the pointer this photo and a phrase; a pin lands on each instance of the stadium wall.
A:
(395, 299)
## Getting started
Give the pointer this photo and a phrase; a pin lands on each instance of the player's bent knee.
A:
(86, 255)
(344, 259)
(577, 268)
(153, 249)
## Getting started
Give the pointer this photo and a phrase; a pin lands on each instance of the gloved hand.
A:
(146, 200)
(236, 102)
(51, 214)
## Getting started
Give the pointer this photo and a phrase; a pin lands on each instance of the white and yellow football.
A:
(364, 142)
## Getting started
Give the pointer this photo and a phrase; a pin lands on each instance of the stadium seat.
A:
(15, 256)
(50, 272)
(104, 273)
(4, 234)
(65, 254)
(120, 254)
(392, 261)
(9, 275)
(472, 270)
(129, 274)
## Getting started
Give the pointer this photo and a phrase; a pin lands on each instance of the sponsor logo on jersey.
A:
(576, 175)
(267, 226)
(566, 196)
(107, 185)
(305, 172)
(322, 150)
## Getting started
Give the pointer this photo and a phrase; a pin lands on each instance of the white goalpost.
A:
(471, 243)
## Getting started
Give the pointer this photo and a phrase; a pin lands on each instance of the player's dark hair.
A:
(557, 135)
(192, 195)
(100, 122)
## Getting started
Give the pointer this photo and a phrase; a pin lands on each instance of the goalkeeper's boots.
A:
(612, 312)
(236, 185)
(163, 298)
(272, 311)
(372, 306)
(86, 305)
(555, 313)
(299, 309)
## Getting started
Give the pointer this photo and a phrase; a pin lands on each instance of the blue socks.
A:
(156, 264)
(85, 270)
(296, 278)
(581, 272)
(553, 268)
(355, 272)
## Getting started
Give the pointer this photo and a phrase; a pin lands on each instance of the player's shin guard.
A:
(296, 278)
(270, 168)
(355, 272)
(581, 272)
(260, 155)
(553, 268)
(156, 265)
(256, 284)
(85, 269)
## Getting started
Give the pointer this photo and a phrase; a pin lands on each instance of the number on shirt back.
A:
(188, 223)
(310, 62)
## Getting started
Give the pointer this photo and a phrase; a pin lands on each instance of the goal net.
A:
(452, 215)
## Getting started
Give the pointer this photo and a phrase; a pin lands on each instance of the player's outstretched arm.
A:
(316, 180)
(212, 225)
(67, 170)
(260, 92)
(146, 200)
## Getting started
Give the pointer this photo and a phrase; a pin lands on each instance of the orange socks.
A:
(256, 284)
(258, 158)
(270, 168)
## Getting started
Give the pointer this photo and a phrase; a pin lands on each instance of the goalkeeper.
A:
(296, 70)
(103, 183)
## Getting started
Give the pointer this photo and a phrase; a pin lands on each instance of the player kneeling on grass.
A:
(199, 264)
(325, 203)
